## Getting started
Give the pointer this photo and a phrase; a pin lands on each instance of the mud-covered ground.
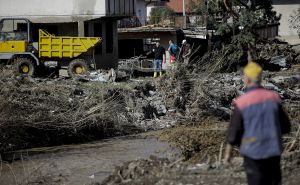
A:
(202, 142)
(163, 172)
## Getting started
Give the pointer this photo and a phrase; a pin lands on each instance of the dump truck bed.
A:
(51, 46)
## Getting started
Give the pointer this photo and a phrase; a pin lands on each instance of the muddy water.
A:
(80, 164)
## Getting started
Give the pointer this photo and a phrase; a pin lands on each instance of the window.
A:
(109, 37)
(98, 33)
(13, 29)
(86, 28)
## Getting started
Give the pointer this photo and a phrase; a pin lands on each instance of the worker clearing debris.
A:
(256, 126)
(185, 52)
(173, 51)
(159, 59)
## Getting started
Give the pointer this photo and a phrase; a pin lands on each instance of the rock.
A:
(271, 86)
(286, 81)
(161, 109)
(198, 168)
(297, 59)
(226, 110)
(203, 166)
(152, 93)
(278, 79)
(237, 161)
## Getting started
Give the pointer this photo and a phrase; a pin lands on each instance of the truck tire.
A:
(24, 66)
(77, 68)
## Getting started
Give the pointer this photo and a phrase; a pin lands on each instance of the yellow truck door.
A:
(13, 46)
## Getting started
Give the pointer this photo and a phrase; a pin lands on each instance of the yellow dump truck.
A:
(27, 57)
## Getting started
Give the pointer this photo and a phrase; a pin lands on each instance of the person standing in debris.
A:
(185, 52)
(256, 126)
(173, 49)
(159, 58)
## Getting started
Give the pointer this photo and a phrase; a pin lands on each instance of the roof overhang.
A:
(67, 18)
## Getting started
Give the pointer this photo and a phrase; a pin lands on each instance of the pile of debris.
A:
(198, 141)
(273, 55)
(42, 112)
(197, 97)
(206, 104)
(57, 111)
(277, 55)
(73, 110)
(164, 171)
(206, 95)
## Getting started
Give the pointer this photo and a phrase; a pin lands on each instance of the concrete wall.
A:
(78, 14)
(286, 8)
(109, 60)
(41, 11)
(141, 11)
(105, 59)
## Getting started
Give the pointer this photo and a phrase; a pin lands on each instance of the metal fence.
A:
(268, 31)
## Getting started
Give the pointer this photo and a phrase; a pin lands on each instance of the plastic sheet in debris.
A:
(97, 76)
(279, 60)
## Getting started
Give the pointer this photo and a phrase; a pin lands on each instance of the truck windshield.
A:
(13, 30)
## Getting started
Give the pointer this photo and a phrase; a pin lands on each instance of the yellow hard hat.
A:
(253, 71)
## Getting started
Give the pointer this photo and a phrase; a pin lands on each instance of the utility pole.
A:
(183, 8)
(183, 14)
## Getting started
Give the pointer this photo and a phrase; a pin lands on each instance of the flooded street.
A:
(80, 164)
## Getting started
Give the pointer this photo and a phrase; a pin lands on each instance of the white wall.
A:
(65, 10)
(149, 9)
(141, 11)
(286, 10)
(35, 7)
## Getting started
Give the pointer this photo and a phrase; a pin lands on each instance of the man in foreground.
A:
(256, 126)
(159, 58)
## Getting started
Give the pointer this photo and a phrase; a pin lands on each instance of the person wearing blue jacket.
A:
(173, 51)
(256, 127)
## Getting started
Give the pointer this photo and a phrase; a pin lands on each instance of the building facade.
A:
(286, 8)
(75, 18)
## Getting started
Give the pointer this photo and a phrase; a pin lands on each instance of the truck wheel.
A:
(24, 66)
(77, 67)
